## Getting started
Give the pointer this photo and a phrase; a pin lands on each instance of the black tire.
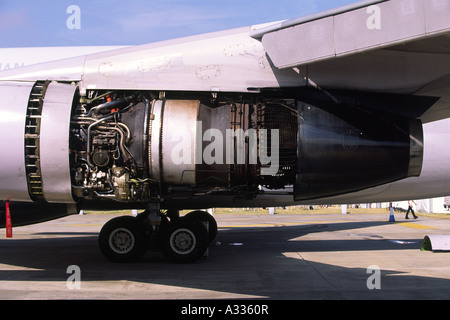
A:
(121, 241)
(203, 216)
(184, 241)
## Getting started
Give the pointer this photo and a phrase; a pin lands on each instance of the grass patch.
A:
(305, 210)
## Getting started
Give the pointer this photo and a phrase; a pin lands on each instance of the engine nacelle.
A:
(343, 149)
(35, 121)
(140, 147)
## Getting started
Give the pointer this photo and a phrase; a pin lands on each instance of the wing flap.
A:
(364, 29)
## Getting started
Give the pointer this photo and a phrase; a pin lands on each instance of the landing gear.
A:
(184, 241)
(181, 239)
(206, 219)
(121, 240)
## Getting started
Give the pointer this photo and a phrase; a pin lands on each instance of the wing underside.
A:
(396, 46)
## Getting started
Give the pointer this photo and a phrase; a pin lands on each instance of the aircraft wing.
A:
(12, 58)
(396, 46)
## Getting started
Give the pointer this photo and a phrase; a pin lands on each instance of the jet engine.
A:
(174, 149)
(63, 151)
(130, 147)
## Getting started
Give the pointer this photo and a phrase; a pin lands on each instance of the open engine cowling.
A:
(140, 147)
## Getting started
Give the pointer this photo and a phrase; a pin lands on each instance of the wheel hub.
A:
(121, 240)
(183, 241)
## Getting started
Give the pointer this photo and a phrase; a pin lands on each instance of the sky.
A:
(25, 23)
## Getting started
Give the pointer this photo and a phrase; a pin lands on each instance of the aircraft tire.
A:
(184, 241)
(203, 216)
(120, 240)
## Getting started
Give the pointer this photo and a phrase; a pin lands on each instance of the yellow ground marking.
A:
(85, 224)
(415, 225)
(274, 224)
(281, 224)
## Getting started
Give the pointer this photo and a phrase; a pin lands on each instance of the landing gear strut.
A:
(180, 239)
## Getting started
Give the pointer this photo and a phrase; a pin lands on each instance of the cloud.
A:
(143, 21)
(162, 20)
(170, 16)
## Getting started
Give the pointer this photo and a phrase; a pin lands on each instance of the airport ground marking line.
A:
(85, 224)
(281, 224)
(415, 225)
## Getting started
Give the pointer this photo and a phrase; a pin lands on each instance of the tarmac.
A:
(309, 256)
